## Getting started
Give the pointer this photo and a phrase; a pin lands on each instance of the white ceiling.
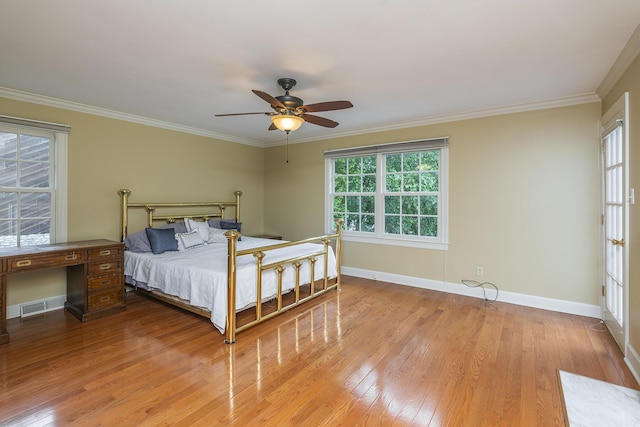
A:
(400, 62)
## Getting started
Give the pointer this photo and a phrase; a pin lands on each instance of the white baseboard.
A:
(52, 303)
(632, 359)
(562, 306)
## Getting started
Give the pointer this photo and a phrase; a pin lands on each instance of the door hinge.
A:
(602, 290)
(602, 219)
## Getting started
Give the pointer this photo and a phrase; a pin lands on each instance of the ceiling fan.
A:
(290, 112)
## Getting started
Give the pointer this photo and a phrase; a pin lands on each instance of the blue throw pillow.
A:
(162, 239)
(139, 242)
(231, 225)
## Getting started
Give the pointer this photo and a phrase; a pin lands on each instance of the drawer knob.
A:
(105, 266)
(70, 257)
(105, 252)
(23, 263)
(104, 299)
(105, 282)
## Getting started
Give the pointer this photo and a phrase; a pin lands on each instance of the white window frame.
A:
(59, 162)
(441, 242)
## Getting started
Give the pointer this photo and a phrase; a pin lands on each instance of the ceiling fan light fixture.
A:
(287, 123)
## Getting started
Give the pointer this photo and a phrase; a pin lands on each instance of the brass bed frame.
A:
(219, 210)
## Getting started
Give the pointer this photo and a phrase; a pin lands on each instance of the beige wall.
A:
(630, 82)
(106, 155)
(524, 202)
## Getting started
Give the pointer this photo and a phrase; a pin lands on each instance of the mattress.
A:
(199, 275)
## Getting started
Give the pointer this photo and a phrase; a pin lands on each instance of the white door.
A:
(615, 212)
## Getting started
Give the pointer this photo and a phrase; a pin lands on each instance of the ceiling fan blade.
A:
(242, 114)
(327, 106)
(320, 121)
(273, 127)
(270, 99)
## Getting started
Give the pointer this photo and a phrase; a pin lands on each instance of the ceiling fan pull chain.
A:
(287, 147)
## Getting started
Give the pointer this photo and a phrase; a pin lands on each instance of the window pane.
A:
(429, 226)
(34, 232)
(410, 225)
(8, 205)
(340, 166)
(353, 222)
(34, 148)
(369, 164)
(34, 175)
(429, 181)
(8, 145)
(369, 223)
(354, 184)
(394, 163)
(8, 174)
(429, 161)
(411, 182)
(392, 204)
(35, 205)
(354, 166)
(353, 204)
(393, 182)
(339, 204)
(411, 162)
(429, 205)
(368, 204)
(369, 184)
(340, 184)
(8, 233)
(410, 205)
(392, 224)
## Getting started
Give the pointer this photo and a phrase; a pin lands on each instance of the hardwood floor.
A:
(372, 354)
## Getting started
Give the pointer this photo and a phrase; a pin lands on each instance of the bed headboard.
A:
(218, 210)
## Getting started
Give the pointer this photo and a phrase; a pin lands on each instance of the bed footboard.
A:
(294, 262)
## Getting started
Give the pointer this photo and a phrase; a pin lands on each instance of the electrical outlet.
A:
(479, 271)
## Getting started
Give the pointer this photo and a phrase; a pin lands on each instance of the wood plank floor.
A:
(372, 354)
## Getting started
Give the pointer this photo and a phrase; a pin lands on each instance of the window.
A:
(32, 185)
(390, 194)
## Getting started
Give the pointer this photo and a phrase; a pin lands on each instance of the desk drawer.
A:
(105, 300)
(108, 266)
(105, 253)
(96, 284)
(32, 262)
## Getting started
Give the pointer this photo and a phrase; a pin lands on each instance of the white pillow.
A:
(216, 235)
(189, 240)
(202, 227)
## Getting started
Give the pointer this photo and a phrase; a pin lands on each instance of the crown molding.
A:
(628, 54)
(509, 109)
(112, 114)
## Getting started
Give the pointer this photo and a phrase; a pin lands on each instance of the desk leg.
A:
(4, 335)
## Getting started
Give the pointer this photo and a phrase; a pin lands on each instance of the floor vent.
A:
(37, 307)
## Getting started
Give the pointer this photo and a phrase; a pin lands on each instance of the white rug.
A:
(589, 402)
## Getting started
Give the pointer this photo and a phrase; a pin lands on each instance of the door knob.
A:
(618, 242)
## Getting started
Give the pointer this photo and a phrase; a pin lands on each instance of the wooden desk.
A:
(95, 281)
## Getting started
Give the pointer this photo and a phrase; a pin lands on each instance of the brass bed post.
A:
(238, 194)
(150, 211)
(339, 222)
(232, 239)
(124, 211)
(259, 256)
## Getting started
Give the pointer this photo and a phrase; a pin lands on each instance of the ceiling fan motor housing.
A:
(289, 101)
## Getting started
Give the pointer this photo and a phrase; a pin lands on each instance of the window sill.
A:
(395, 242)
